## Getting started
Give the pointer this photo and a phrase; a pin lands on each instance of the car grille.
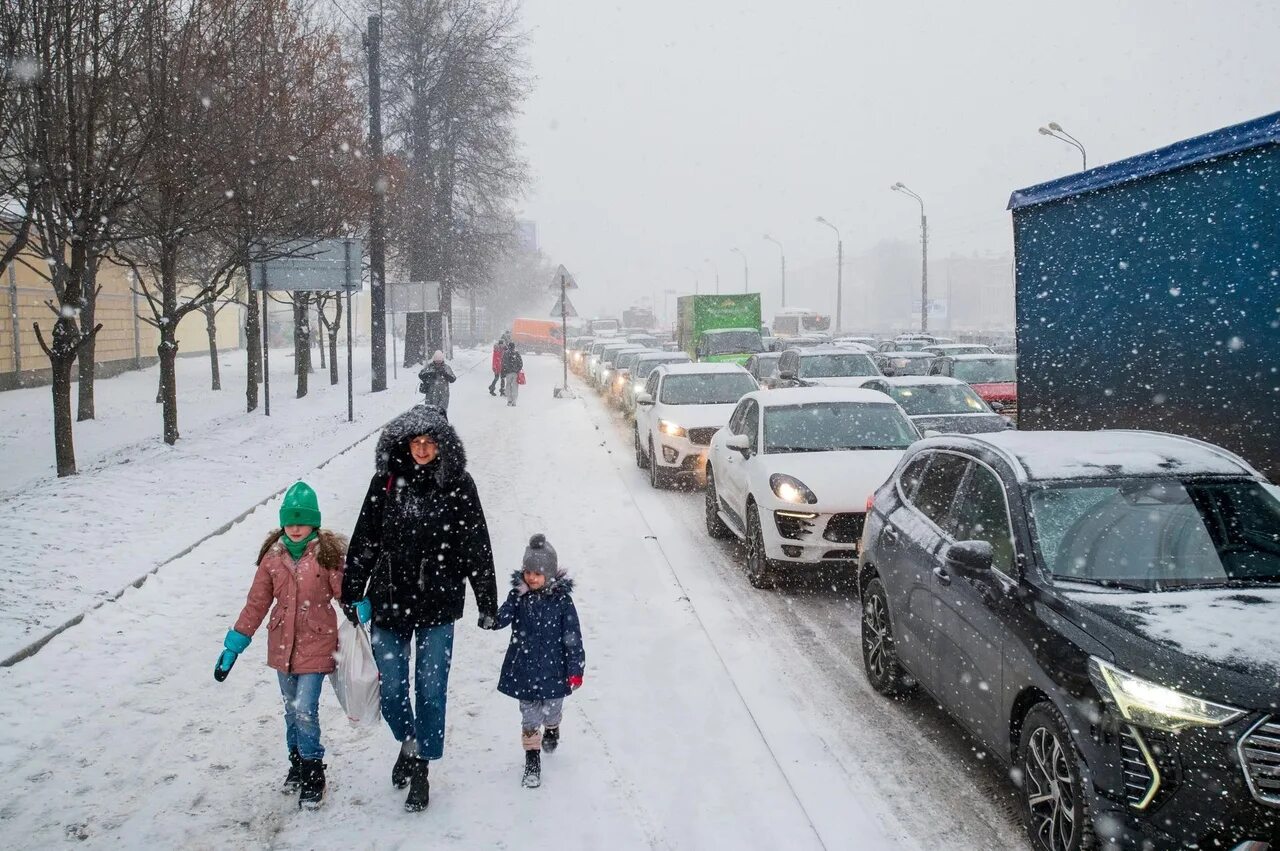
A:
(702, 436)
(845, 528)
(1260, 754)
(1011, 411)
(1141, 777)
(792, 525)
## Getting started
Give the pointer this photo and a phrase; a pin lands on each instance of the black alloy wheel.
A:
(716, 527)
(657, 476)
(758, 570)
(641, 462)
(879, 659)
(1054, 808)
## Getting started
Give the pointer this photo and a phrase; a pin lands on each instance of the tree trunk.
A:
(211, 326)
(88, 351)
(62, 356)
(253, 351)
(168, 352)
(301, 342)
(415, 340)
(320, 337)
(333, 342)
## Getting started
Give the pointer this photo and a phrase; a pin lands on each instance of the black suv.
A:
(1102, 611)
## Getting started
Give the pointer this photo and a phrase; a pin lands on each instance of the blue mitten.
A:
(234, 644)
(364, 610)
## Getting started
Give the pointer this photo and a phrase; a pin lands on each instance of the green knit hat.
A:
(300, 508)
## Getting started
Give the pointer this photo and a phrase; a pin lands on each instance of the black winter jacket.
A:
(511, 361)
(421, 534)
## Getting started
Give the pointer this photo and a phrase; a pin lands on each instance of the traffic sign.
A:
(569, 309)
(563, 278)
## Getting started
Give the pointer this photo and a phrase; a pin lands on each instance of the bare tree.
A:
(330, 327)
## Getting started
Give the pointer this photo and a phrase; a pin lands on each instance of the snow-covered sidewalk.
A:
(68, 544)
(116, 733)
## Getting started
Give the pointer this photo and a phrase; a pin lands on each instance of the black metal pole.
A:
(564, 336)
(266, 348)
(351, 402)
(377, 215)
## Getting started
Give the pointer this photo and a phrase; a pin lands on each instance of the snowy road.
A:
(713, 715)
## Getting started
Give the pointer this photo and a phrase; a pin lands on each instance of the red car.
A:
(993, 377)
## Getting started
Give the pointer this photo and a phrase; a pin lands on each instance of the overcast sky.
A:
(664, 132)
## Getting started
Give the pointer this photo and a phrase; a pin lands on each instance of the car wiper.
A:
(1105, 583)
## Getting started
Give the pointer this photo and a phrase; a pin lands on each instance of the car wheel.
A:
(758, 571)
(657, 476)
(879, 659)
(640, 459)
(711, 505)
(1054, 808)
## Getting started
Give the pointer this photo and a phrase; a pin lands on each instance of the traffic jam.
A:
(1088, 582)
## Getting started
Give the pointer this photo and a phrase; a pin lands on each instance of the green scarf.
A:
(297, 548)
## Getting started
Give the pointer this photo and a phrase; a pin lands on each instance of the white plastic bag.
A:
(355, 681)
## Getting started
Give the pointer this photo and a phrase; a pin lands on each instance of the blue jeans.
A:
(301, 694)
(434, 651)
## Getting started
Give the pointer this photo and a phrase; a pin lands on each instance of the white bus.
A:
(792, 321)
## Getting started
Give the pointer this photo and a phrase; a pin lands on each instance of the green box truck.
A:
(719, 328)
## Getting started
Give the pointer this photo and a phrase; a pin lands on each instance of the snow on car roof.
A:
(818, 395)
(982, 356)
(831, 349)
(700, 368)
(913, 380)
(1040, 455)
(909, 354)
(730, 330)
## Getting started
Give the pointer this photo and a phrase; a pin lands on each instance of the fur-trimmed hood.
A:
(558, 584)
(331, 548)
(393, 456)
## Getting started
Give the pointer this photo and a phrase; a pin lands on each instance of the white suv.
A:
(792, 473)
(681, 407)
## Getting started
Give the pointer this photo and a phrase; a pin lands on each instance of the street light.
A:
(715, 269)
(694, 272)
(782, 251)
(1055, 131)
(924, 255)
(666, 305)
(839, 270)
(746, 283)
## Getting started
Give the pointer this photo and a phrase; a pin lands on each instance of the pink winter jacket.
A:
(302, 634)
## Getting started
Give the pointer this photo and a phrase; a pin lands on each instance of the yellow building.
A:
(125, 341)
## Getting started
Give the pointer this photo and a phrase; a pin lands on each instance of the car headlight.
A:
(791, 489)
(1149, 704)
(669, 428)
(637, 386)
(604, 374)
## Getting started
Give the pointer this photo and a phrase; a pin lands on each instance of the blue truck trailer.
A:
(1148, 294)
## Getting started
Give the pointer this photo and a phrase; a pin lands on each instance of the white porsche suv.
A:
(680, 408)
(792, 473)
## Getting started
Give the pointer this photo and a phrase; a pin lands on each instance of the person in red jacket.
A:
(300, 570)
(496, 363)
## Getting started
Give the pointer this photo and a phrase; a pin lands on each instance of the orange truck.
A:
(536, 335)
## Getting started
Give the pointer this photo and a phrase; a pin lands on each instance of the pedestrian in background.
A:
(512, 364)
(434, 381)
(300, 569)
(498, 349)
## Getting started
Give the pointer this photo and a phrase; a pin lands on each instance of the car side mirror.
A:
(971, 558)
(932, 432)
(738, 442)
(998, 407)
(643, 398)
(787, 374)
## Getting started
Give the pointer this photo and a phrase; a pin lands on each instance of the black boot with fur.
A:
(532, 778)
(311, 791)
(293, 779)
(550, 739)
(419, 785)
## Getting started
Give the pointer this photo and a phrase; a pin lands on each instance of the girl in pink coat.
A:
(300, 570)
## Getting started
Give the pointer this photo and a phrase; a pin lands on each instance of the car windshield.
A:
(1159, 534)
(708, 388)
(731, 342)
(919, 399)
(837, 366)
(907, 366)
(985, 371)
(641, 368)
(835, 426)
(909, 345)
(767, 365)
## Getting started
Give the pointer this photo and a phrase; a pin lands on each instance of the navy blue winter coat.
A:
(546, 640)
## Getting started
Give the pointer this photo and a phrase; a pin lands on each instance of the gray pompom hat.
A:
(540, 557)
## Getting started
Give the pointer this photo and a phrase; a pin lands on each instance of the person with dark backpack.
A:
(434, 381)
(512, 364)
(421, 537)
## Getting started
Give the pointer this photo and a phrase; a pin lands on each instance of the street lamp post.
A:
(746, 281)
(783, 252)
(715, 269)
(666, 305)
(1055, 131)
(924, 255)
(839, 270)
(696, 282)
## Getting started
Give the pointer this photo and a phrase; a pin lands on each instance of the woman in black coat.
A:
(420, 538)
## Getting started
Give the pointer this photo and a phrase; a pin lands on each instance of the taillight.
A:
(870, 499)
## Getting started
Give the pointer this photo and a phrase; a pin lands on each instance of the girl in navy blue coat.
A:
(545, 660)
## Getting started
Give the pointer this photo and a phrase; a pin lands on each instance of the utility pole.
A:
(924, 270)
(377, 215)
(746, 273)
(839, 269)
(783, 252)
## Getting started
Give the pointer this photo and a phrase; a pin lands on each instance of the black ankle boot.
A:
(550, 739)
(311, 791)
(419, 785)
(532, 778)
(400, 773)
(293, 779)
